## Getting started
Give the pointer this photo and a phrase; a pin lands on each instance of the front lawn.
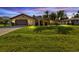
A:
(41, 39)
(2, 25)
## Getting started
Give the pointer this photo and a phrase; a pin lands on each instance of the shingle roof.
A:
(22, 14)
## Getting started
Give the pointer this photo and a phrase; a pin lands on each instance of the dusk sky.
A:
(13, 11)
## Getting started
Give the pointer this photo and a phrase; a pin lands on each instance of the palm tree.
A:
(60, 14)
(76, 15)
(47, 13)
(46, 16)
(53, 16)
(34, 16)
(78, 11)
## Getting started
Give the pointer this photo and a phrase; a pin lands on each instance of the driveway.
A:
(6, 30)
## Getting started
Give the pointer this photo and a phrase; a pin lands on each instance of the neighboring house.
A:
(57, 21)
(63, 21)
(73, 21)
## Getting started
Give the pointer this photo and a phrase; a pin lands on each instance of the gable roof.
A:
(22, 15)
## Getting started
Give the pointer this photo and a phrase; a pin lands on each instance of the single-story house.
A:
(73, 21)
(24, 19)
(62, 22)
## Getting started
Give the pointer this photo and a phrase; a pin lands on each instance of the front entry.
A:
(41, 22)
(21, 22)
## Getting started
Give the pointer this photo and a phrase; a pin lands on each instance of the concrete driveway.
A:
(6, 30)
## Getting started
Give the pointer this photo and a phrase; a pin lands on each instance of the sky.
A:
(13, 11)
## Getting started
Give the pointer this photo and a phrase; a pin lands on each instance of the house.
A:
(63, 21)
(73, 21)
(24, 19)
(57, 21)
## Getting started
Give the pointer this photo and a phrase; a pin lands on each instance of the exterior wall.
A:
(52, 22)
(64, 22)
(31, 22)
(75, 22)
(13, 20)
(59, 22)
(44, 22)
(28, 19)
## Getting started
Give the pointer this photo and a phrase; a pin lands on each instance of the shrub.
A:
(40, 28)
(63, 30)
(56, 23)
(58, 29)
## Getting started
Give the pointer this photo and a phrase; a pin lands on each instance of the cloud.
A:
(12, 11)
(4, 12)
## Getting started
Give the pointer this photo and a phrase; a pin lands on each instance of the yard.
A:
(2, 25)
(41, 39)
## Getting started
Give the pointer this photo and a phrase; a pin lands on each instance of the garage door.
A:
(21, 22)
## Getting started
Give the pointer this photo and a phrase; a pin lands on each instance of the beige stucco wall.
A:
(44, 21)
(47, 21)
(30, 21)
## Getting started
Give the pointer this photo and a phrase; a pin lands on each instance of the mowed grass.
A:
(46, 40)
(2, 25)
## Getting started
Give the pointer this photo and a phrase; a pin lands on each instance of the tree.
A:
(76, 15)
(78, 11)
(60, 14)
(34, 16)
(5, 22)
(46, 15)
(53, 16)
(1, 20)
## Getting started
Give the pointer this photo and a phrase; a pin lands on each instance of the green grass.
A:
(2, 25)
(45, 40)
